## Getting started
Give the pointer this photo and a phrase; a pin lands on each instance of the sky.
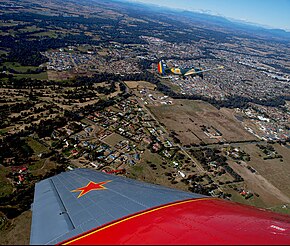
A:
(268, 13)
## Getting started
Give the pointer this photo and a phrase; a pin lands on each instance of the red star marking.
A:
(91, 186)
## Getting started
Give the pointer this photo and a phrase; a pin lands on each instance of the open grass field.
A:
(44, 166)
(171, 85)
(36, 146)
(59, 76)
(281, 209)
(36, 165)
(113, 139)
(30, 29)
(50, 34)
(24, 69)
(270, 182)
(140, 85)
(275, 171)
(40, 76)
(6, 187)
(3, 131)
(156, 175)
(18, 67)
(187, 117)
(269, 195)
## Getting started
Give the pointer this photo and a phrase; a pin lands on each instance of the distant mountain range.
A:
(250, 28)
(204, 18)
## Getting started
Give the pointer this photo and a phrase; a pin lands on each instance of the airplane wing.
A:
(84, 206)
(192, 71)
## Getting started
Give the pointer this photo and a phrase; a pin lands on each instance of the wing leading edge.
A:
(194, 221)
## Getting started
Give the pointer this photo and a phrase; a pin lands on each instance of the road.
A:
(219, 145)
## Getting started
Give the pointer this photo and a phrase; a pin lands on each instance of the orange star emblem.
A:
(91, 186)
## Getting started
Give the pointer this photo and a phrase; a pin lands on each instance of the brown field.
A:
(186, 117)
(140, 85)
(18, 232)
(269, 195)
(270, 182)
(275, 171)
(113, 139)
(54, 75)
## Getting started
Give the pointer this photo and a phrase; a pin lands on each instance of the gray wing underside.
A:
(57, 213)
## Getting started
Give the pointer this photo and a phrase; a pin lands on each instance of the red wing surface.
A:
(88, 207)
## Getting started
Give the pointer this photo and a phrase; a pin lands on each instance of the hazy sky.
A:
(272, 13)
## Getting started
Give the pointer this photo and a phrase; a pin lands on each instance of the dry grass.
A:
(274, 170)
(140, 85)
(186, 118)
(18, 233)
(144, 172)
(113, 139)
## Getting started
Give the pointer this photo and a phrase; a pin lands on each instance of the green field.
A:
(236, 197)
(40, 76)
(136, 171)
(24, 69)
(3, 131)
(18, 67)
(173, 87)
(30, 29)
(36, 146)
(281, 209)
(6, 187)
(50, 34)
(67, 151)
(36, 165)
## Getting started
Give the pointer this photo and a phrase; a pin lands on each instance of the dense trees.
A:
(207, 155)
(14, 147)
